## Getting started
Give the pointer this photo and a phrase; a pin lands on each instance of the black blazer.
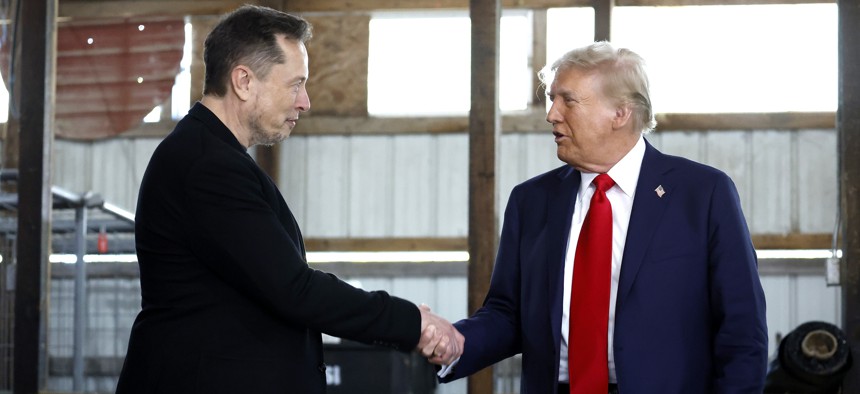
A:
(229, 302)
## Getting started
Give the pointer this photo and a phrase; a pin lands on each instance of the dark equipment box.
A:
(355, 368)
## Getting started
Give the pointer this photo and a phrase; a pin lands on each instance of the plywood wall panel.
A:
(338, 66)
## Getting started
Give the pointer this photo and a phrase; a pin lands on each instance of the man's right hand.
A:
(440, 342)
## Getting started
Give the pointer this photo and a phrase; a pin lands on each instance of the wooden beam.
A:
(201, 25)
(484, 139)
(126, 271)
(603, 19)
(126, 8)
(532, 121)
(848, 130)
(793, 241)
(36, 75)
(373, 5)
(437, 244)
(432, 244)
(746, 121)
(73, 9)
(538, 61)
(269, 159)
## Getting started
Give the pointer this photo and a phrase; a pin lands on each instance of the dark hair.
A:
(248, 36)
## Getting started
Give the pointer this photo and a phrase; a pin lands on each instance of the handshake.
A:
(440, 342)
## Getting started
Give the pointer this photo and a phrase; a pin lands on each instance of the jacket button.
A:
(322, 367)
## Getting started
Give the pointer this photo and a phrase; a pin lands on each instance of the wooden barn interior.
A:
(411, 200)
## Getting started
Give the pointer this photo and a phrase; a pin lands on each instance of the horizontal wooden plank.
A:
(384, 244)
(779, 267)
(111, 8)
(535, 121)
(761, 241)
(130, 271)
(527, 122)
(792, 241)
(747, 121)
(373, 5)
(394, 270)
(115, 8)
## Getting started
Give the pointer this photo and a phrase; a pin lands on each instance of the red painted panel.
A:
(111, 73)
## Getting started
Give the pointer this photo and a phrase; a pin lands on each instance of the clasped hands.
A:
(440, 342)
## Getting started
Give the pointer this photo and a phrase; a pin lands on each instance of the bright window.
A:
(712, 59)
(419, 63)
(568, 28)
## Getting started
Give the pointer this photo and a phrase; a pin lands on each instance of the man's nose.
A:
(303, 102)
(553, 116)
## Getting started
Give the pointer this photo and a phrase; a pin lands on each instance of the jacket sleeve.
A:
(241, 238)
(737, 298)
(493, 332)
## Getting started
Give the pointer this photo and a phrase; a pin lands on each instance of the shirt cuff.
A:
(447, 369)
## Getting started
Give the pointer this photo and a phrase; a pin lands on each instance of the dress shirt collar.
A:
(625, 173)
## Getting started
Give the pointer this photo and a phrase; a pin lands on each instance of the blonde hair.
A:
(624, 77)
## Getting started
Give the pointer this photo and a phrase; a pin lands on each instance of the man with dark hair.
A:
(229, 302)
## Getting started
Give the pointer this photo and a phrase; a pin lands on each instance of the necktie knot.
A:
(603, 182)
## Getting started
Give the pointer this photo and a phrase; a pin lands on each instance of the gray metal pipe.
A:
(80, 319)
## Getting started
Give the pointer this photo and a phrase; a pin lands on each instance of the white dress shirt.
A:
(626, 175)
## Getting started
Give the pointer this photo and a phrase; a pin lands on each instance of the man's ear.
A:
(623, 116)
(240, 80)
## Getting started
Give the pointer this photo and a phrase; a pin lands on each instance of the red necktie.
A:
(589, 296)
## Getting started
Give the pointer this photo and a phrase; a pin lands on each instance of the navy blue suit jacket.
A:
(690, 313)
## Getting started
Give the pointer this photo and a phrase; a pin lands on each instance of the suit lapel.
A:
(560, 205)
(648, 209)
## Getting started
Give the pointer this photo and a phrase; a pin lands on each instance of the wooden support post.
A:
(36, 76)
(269, 159)
(200, 28)
(848, 130)
(538, 60)
(603, 19)
(484, 131)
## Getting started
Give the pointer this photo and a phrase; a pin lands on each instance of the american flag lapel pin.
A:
(660, 191)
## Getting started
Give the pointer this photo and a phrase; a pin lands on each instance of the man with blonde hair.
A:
(625, 270)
